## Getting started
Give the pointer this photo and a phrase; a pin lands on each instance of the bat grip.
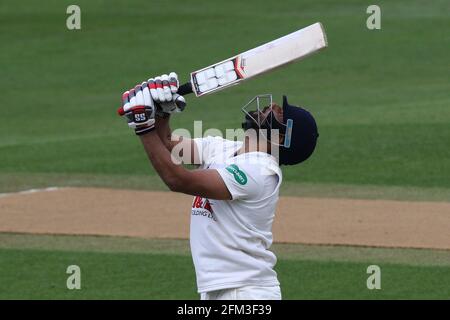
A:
(183, 90)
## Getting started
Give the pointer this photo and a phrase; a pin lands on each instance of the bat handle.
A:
(183, 90)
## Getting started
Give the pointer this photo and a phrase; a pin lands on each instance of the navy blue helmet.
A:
(303, 138)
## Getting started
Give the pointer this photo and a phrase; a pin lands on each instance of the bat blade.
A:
(274, 54)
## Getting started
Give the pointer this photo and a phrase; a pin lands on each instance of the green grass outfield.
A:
(380, 97)
(34, 267)
(381, 100)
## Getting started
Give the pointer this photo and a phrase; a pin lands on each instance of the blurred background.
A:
(381, 97)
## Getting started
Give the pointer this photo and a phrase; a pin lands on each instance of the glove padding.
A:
(163, 91)
(153, 97)
(139, 109)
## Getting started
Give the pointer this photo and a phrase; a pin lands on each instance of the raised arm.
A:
(170, 141)
(204, 182)
(141, 106)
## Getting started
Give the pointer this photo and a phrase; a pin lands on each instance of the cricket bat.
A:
(269, 56)
(274, 54)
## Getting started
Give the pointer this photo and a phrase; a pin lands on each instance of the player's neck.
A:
(252, 144)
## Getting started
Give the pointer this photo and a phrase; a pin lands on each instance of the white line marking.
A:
(2, 195)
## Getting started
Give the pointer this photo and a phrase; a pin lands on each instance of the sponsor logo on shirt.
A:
(202, 207)
(239, 175)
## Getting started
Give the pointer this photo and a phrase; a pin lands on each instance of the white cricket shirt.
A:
(230, 239)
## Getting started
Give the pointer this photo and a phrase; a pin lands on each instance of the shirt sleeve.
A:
(208, 148)
(242, 180)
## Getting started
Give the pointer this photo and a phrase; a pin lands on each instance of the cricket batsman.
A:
(235, 185)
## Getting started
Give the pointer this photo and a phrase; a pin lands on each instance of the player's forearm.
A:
(163, 130)
(172, 174)
(203, 183)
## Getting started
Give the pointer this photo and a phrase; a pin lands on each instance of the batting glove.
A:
(139, 109)
(163, 90)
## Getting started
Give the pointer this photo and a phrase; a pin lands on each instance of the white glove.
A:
(139, 109)
(163, 90)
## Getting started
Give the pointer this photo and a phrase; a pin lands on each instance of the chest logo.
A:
(201, 203)
(239, 175)
(202, 207)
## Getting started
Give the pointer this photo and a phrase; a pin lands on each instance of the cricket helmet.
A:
(299, 129)
(303, 135)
